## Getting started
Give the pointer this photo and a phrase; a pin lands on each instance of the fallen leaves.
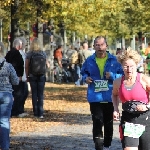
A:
(62, 103)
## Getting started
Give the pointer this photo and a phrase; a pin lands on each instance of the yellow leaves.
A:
(64, 4)
(64, 13)
(6, 3)
(91, 8)
(2, 13)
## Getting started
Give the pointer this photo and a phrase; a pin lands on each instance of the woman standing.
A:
(8, 77)
(36, 75)
(133, 91)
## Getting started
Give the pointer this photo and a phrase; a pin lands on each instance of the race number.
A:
(133, 130)
(101, 85)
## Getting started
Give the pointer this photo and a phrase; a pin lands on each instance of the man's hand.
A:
(107, 75)
(89, 80)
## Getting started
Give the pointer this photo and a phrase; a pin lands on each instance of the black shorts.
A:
(143, 142)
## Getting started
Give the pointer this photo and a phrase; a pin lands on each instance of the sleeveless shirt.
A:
(136, 92)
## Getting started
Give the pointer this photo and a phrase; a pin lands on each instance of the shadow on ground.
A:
(62, 142)
(61, 116)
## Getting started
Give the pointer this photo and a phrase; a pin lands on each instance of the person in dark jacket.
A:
(15, 58)
(99, 71)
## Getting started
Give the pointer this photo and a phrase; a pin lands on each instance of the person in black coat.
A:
(14, 57)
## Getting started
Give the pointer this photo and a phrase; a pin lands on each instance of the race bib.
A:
(133, 130)
(101, 85)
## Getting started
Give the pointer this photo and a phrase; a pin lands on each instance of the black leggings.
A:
(102, 114)
(142, 142)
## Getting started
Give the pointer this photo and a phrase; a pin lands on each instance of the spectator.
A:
(58, 61)
(118, 51)
(37, 82)
(147, 51)
(84, 53)
(24, 80)
(70, 51)
(8, 77)
(133, 91)
(141, 65)
(76, 68)
(14, 57)
(142, 50)
(91, 48)
(99, 71)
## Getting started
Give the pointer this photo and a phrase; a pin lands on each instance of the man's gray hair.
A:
(17, 42)
(24, 42)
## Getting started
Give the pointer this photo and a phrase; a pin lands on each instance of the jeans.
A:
(58, 73)
(6, 101)
(37, 84)
(77, 75)
(18, 96)
(102, 114)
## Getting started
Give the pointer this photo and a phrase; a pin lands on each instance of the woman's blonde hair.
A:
(35, 45)
(129, 54)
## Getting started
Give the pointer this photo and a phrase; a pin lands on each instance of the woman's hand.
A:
(141, 108)
(116, 115)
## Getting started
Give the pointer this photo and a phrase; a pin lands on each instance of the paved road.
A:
(65, 136)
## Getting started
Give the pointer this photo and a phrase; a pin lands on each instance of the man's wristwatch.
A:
(148, 106)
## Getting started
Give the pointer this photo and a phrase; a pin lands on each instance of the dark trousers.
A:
(102, 115)
(37, 84)
(24, 97)
(17, 94)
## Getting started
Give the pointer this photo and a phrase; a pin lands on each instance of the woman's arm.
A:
(115, 99)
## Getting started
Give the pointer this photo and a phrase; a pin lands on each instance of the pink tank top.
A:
(136, 92)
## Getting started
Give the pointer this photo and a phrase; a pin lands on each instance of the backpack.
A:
(37, 64)
(74, 58)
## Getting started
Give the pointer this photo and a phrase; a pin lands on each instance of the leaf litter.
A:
(63, 103)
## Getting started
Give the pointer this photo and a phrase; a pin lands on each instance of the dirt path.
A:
(72, 131)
